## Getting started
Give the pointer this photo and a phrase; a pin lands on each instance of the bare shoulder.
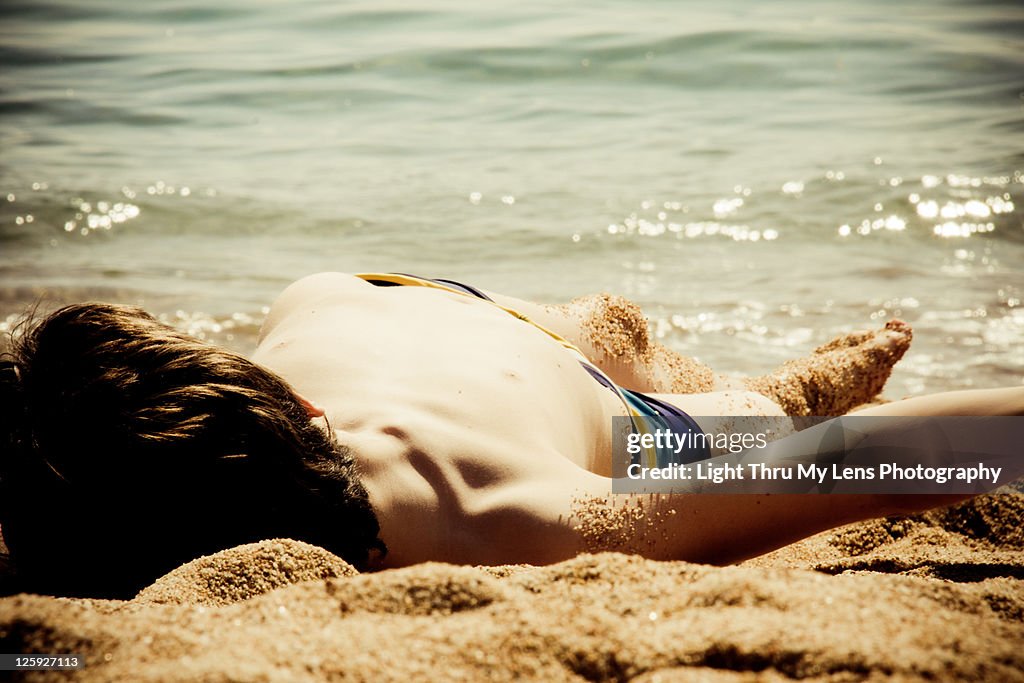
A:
(310, 289)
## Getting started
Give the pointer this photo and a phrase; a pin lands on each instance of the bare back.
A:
(457, 412)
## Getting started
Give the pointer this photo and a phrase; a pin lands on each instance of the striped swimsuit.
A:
(646, 412)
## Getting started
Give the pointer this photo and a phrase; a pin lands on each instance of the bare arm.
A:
(558, 518)
(718, 528)
(575, 511)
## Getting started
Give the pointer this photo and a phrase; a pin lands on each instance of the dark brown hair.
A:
(129, 447)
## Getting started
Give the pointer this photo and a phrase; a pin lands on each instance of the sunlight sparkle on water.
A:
(205, 326)
(866, 227)
(954, 229)
(726, 207)
(963, 216)
(646, 228)
(930, 209)
(162, 188)
(102, 216)
(661, 223)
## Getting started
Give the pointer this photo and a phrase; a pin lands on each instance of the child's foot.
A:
(846, 372)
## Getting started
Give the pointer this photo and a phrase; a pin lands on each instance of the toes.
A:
(844, 341)
(900, 328)
(896, 338)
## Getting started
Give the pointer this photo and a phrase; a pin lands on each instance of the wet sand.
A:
(938, 596)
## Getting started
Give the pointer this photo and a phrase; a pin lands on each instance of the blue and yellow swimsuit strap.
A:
(397, 279)
(402, 279)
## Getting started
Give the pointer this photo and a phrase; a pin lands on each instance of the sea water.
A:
(758, 176)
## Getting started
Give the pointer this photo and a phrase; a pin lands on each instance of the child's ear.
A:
(312, 409)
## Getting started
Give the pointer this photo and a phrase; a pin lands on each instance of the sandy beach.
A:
(938, 596)
(722, 187)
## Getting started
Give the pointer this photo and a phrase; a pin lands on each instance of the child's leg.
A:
(613, 333)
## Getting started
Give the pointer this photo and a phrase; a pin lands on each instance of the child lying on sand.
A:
(392, 420)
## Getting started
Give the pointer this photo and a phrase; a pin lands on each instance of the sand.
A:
(938, 596)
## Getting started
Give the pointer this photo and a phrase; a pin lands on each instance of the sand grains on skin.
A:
(634, 526)
(848, 371)
(619, 331)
